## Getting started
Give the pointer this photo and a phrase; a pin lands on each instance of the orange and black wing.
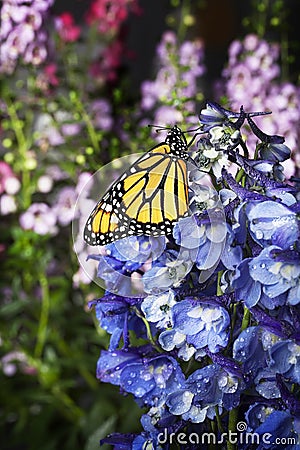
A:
(147, 199)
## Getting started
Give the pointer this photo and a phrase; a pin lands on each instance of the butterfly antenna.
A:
(195, 135)
(159, 127)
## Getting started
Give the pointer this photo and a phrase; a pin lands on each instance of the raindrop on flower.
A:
(140, 391)
(259, 234)
(146, 376)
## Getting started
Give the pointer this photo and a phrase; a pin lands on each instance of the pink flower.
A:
(50, 74)
(5, 173)
(47, 78)
(108, 15)
(67, 30)
(105, 69)
(14, 360)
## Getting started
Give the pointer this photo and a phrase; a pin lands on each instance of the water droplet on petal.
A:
(259, 234)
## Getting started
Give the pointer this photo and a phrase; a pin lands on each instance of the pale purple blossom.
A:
(83, 178)
(9, 186)
(179, 68)
(81, 277)
(70, 129)
(251, 79)
(56, 173)
(39, 218)
(167, 115)
(65, 205)
(101, 114)
(21, 33)
(7, 204)
(166, 47)
(44, 184)
(47, 131)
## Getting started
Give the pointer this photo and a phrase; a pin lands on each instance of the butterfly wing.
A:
(147, 199)
(155, 195)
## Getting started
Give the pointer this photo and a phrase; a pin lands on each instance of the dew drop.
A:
(259, 234)
(140, 391)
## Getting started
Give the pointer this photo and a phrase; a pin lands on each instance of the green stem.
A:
(284, 55)
(233, 320)
(219, 421)
(219, 290)
(246, 318)
(148, 329)
(261, 7)
(149, 335)
(17, 127)
(239, 175)
(185, 10)
(71, 410)
(43, 322)
(232, 421)
(89, 124)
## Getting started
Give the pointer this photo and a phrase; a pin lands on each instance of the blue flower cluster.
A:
(217, 304)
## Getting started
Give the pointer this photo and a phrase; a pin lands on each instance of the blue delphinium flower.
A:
(157, 308)
(274, 152)
(148, 378)
(214, 115)
(278, 271)
(196, 325)
(218, 300)
(125, 257)
(285, 360)
(116, 315)
(169, 270)
(203, 239)
(272, 223)
(249, 349)
(246, 289)
(204, 393)
(275, 426)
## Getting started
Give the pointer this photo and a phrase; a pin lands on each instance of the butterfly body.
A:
(148, 198)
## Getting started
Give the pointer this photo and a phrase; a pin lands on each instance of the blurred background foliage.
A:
(79, 84)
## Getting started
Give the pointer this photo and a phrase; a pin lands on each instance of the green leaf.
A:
(107, 427)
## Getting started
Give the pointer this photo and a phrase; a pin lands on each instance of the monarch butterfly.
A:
(148, 198)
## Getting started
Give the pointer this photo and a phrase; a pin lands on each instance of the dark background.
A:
(218, 22)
